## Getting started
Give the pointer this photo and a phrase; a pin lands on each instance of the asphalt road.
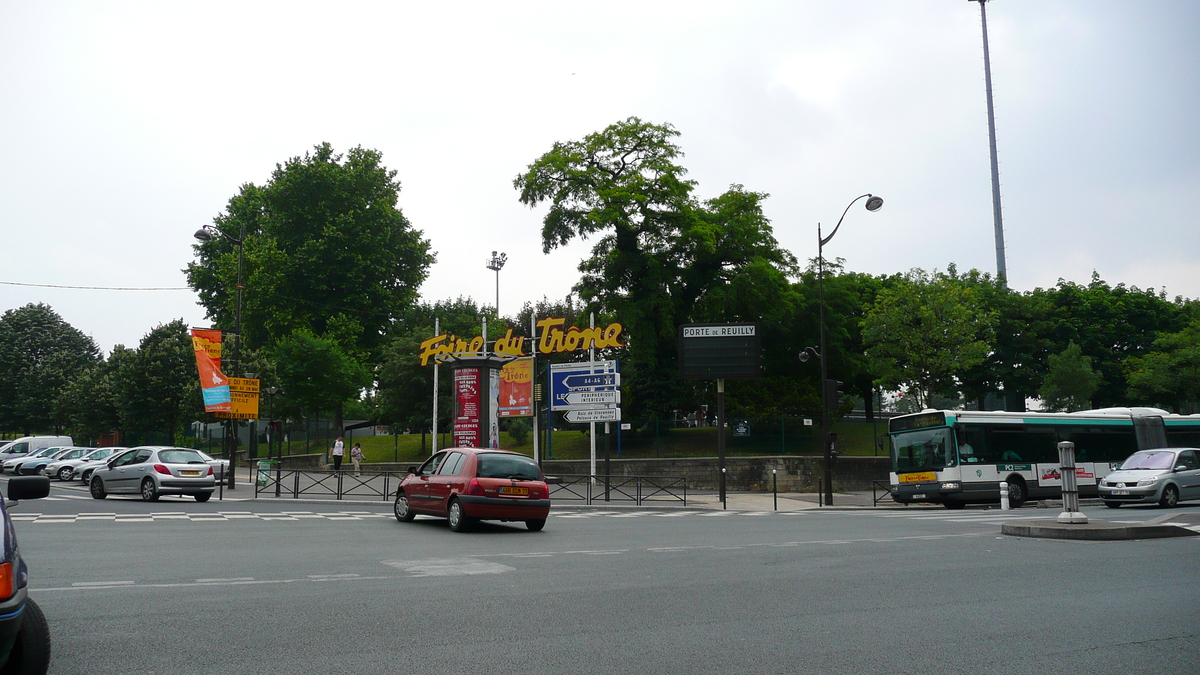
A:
(248, 587)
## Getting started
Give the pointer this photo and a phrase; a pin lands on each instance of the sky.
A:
(128, 125)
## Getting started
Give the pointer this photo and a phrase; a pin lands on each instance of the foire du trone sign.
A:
(448, 347)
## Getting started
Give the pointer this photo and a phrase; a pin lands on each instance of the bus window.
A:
(1100, 444)
(972, 446)
(1024, 444)
(1182, 438)
(924, 449)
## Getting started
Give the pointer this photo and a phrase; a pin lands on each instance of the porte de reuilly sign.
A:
(448, 347)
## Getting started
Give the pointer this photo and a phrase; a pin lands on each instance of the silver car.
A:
(34, 466)
(10, 465)
(68, 468)
(152, 471)
(1163, 476)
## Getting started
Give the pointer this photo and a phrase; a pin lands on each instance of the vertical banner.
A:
(493, 399)
(467, 393)
(214, 386)
(516, 389)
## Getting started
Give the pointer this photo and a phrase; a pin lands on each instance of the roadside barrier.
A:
(876, 487)
(637, 489)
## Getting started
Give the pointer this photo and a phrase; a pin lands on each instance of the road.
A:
(252, 587)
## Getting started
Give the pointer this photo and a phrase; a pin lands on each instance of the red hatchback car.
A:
(467, 485)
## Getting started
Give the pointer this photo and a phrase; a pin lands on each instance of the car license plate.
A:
(922, 477)
(189, 473)
(1120, 492)
(919, 496)
(514, 491)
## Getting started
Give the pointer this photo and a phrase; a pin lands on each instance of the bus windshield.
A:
(924, 449)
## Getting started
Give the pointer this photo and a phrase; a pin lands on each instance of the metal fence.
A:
(637, 489)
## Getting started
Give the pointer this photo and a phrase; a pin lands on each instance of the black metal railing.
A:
(296, 483)
(876, 487)
(637, 489)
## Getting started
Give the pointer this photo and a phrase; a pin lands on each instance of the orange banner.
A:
(214, 386)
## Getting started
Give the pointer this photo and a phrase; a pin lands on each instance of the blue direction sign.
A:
(569, 380)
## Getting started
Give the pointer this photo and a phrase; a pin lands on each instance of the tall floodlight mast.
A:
(1001, 268)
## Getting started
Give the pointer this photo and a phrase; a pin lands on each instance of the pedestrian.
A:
(339, 449)
(356, 457)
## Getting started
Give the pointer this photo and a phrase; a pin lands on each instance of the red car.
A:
(467, 485)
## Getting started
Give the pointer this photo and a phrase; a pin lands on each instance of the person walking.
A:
(339, 449)
(356, 456)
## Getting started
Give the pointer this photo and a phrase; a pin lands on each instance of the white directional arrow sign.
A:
(610, 397)
(597, 415)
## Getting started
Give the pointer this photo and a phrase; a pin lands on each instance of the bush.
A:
(519, 430)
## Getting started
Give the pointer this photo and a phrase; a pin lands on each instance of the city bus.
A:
(960, 457)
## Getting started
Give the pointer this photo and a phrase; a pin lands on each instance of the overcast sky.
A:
(127, 125)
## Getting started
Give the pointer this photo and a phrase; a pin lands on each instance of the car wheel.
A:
(31, 650)
(1017, 494)
(17, 470)
(1113, 505)
(64, 474)
(953, 506)
(97, 488)
(203, 496)
(459, 522)
(403, 513)
(1170, 496)
(149, 490)
(536, 524)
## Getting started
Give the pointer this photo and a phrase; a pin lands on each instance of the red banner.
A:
(214, 386)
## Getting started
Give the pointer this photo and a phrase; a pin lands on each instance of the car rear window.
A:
(180, 457)
(496, 465)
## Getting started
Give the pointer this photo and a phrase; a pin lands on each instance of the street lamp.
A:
(495, 263)
(874, 203)
(205, 234)
(271, 391)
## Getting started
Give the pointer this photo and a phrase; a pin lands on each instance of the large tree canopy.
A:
(326, 250)
(157, 387)
(39, 355)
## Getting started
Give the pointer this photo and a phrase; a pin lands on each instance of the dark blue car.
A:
(24, 633)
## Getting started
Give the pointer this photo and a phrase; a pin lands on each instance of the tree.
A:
(327, 250)
(924, 331)
(157, 388)
(1070, 382)
(39, 355)
(661, 257)
(90, 401)
(1170, 374)
(315, 374)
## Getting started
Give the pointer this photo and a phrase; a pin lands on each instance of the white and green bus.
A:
(960, 457)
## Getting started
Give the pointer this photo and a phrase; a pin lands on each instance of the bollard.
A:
(724, 496)
(820, 492)
(1004, 506)
(775, 489)
(1070, 485)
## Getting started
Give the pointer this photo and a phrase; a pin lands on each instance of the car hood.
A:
(1133, 476)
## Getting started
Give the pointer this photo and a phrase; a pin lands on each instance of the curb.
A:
(1093, 531)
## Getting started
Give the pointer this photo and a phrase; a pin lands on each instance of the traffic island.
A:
(1174, 525)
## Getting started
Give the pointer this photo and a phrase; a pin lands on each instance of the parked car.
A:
(152, 471)
(24, 633)
(85, 470)
(218, 465)
(33, 467)
(466, 485)
(1164, 476)
(27, 444)
(8, 465)
(66, 469)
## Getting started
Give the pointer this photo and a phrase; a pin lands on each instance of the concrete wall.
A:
(794, 474)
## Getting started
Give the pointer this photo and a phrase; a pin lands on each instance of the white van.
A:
(28, 444)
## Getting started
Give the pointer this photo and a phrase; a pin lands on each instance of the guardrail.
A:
(637, 489)
(876, 486)
(296, 483)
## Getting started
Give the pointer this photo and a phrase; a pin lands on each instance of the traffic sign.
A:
(577, 399)
(579, 378)
(597, 415)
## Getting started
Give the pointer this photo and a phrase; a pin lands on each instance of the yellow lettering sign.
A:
(554, 339)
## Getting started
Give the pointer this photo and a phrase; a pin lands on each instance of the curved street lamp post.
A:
(874, 203)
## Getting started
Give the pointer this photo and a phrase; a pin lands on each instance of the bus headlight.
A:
(950, 486)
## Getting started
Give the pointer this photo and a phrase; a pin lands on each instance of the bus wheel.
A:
(1017, 493)
(953, 506)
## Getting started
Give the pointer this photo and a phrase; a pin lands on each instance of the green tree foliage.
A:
(157, 388)
(91, 400)
(327, 250)
(1110, 324)
(1170, 374)
(661, 258)
(39, 355)
(924, 331)
(1070, 382)
(315, 374)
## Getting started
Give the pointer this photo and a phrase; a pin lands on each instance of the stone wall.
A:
(794, 474)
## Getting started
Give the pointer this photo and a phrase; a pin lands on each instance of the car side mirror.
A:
(1181, 468)
(28, 487)
(411, 469)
